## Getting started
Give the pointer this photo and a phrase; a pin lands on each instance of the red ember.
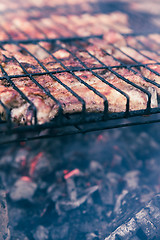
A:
(72, 173)
(26, 179)
(34, 163)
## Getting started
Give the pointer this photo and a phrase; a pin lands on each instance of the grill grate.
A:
(76, 120)
(72, 44)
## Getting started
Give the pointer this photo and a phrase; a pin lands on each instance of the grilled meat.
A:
(75, 76)
(51, 90)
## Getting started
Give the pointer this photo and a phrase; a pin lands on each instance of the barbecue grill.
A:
(79, 122)
(94, 186)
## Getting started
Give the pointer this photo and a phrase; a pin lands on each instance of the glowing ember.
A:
(101, 138)
(34, 163)
(65, 171)
(72, 173)
(26, 179)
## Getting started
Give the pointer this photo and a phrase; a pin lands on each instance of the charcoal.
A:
(4, 230)
(132, 179)
(41, 165)
(99, 211)
(15, 158)
(120, 201)
(146, 194)
(42, 185)
(96, 167)
(156, 201)
(112, 184)
(55, 191)
(144, 225)
(109, 213)
(60, 232)
(23, 189)
(84, 187)
(153, 208)
(144, 221)
(20, 159)
(15, 216)
(69, 205)
(6, 160)
(59, 174)
(108, 188)
(125, 231)
(87, 227)
(91, 236)
(41, 233)
(117, 160)
(127, 203)
(106, 193)
(152, 165)
(18, 235)
(71, 188)
(113, 178)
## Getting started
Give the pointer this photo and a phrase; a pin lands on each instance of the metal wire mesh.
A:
(64, 120)
(68, 40)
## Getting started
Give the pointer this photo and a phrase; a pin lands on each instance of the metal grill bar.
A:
(124, 79)
(99, 77)
(58, 80)
(135, 72)
(82, 69)
(81, 81)
(32, 106)
(144, 55)
(137, 62)
(115, 73)
(4, 30)
(77, 130)
(31, 40)
(62, 39)
(148, 48)
(153, 71)
(47, 92)
(39, 29)
(136, 34)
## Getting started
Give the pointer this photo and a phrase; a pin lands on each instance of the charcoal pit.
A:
(93, 186)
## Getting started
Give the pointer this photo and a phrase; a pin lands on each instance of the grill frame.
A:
(76, 120)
